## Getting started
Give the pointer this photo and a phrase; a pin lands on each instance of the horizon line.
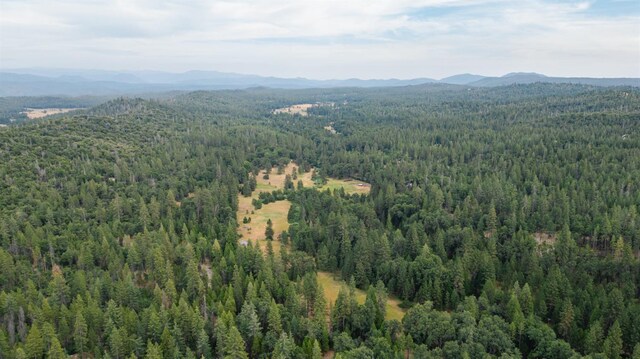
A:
(26, 71)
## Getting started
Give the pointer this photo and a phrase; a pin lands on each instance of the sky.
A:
(326, 39)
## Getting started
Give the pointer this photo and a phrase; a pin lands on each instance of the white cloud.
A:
(322, 38)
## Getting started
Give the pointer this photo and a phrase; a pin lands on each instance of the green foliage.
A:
(55, 350)
(80, 334)
(613, 344)
(34, 345)
(506, 219)
(234, 346)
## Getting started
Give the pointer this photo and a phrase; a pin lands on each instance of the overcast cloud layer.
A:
(326, 38)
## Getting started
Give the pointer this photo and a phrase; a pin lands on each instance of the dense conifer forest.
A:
(504, 221)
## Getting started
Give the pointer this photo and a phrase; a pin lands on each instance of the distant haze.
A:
(52, 82)
(326, 39)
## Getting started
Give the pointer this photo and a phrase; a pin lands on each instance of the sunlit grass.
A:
(331, 287)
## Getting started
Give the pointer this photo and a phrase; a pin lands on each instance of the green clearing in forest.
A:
(331, 287)
(350, 186)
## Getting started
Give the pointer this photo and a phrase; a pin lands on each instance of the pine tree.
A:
(618, 248)
(613, 344)
(118, 343)
(194, 283)
(288, 182)
(515, 316)
(566, 319)
(237, 281)
(48, 334)
(492, 221)
(80, 334)
(248, 322)
(153, 351)
(284, 348)
(204, 348)
(55, 350)
(246, 189)
(341, 312)
(34, 345)
(59, 290)
(143, 213)
(310, 290)
(20, 354)
(4, 343)
(167, 344)
(269, 231)
(273, 319)
(154, 326)
(317, 352)
(526, 300)
(234, 345)
(593, 340)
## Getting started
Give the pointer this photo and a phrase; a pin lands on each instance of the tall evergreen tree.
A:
(34, 345)
(80, 334)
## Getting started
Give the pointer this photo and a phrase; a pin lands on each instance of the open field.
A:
(276, 181)
(300, 109)
(331, 287)
(33, 113)
(278, 211)
(350, 186)
(254, 231)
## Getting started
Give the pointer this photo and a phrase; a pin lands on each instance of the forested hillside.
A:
(14, 109)
(503, 220)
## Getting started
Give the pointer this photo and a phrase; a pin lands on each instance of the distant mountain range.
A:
(527, 78)
(43, 82)
(462, 79)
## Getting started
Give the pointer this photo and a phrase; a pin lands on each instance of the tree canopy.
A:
(504, 220)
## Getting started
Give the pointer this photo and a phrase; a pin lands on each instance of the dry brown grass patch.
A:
(331, 288)
(276, 181)
(254, 231)
(33, 113)
(300, 109)
(350, 186)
